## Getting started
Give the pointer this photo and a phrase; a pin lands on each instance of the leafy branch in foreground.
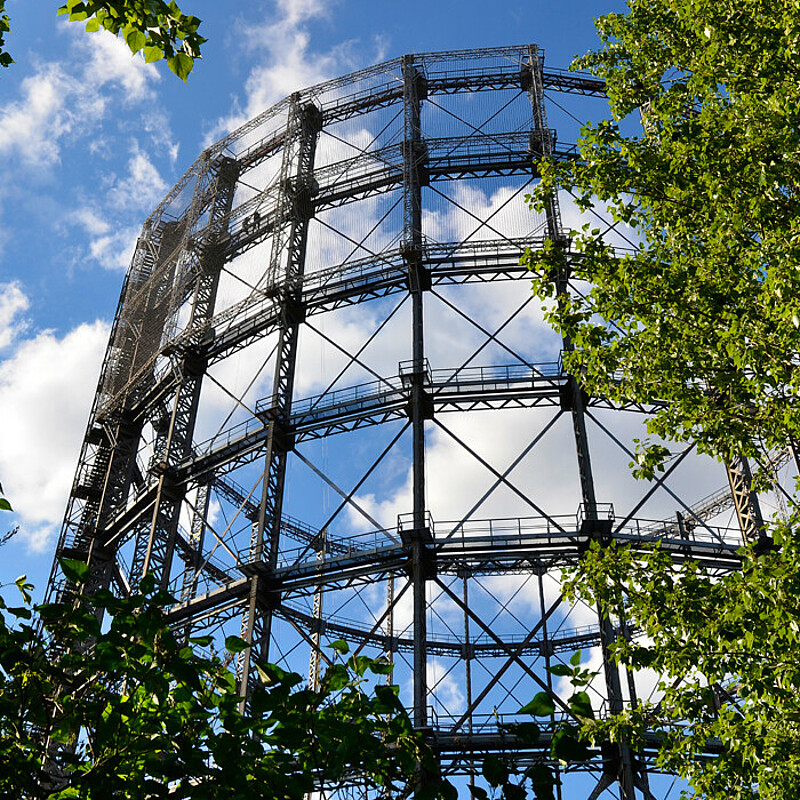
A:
(700, 161)
(128, 709)
(154, 27)
(5, 27)
(725, 650)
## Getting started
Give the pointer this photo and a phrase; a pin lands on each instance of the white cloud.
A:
(33, 126)
(141, 188)
(130, 197)
(66, 99)
(288, 61)
(90, 221)
(46, 389)
(115, 250)
(13, 302)
(109, 61)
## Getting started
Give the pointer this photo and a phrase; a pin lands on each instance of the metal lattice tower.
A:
(324, 349)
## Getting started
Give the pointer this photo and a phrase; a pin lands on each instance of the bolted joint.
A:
(424, 560)
(171, 488)
(425, 405)
(317, 625)
(213, 254)
(568, 392)
(281, 437)
(300, 193)
(268, 586)
(227, 169)
(194, 362)
(419, 276)
(595, 530)
(294, 310)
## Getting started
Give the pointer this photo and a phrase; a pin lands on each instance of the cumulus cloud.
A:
(32, 127)
(141, 188)
(62, 100)
(115, 250)
(128, 197)
(286, 60)
(13, 302)
(46, 389)
(109, 61)
(71, 105)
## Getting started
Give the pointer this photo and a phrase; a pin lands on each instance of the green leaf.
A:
(340, 646)
(494, 770)
(542, 780)
(566, 746)
(581, 705)
(93, 25)
(388, 696)
(201, 641)
(512, 791)
(152, 54)
(381, 667)
(527, 731)
(270, 673)
(75, 571)
(234, 644)
(575, 659)
(478, 793)
(542, 705)
(5, 505)
(135, 40)
(561, 670)
(181, 65)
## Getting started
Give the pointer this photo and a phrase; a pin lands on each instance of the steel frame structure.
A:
(326, 204)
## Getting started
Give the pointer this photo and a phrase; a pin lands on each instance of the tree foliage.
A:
(700, 159)
(725, 650)
(155, 28)
(129, 709)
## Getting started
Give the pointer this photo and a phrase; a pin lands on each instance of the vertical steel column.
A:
(317, 622)
(196, 538)
(468, 654)
(155, 544)
(414, 159)
(574, 399)
(286, 268)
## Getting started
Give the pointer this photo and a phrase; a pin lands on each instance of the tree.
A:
(704, 314)
(153, 27)
(700, 159)
(726, 653)
(129, 709)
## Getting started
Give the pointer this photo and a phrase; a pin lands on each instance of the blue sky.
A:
(91, 139)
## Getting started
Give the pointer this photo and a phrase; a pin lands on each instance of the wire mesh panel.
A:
(330, 409)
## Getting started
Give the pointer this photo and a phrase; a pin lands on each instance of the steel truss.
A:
(380, 202)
